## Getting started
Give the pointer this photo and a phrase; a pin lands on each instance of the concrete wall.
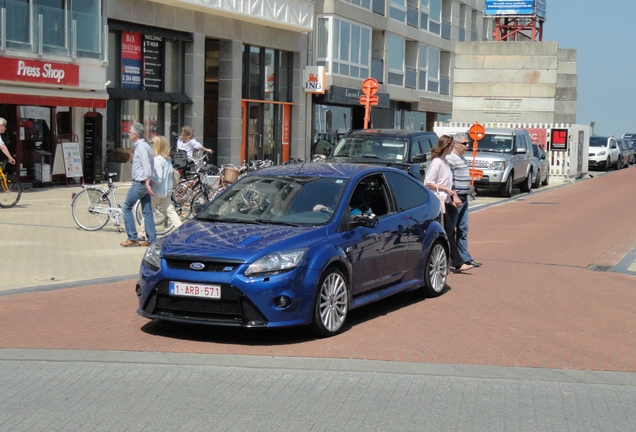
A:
(514, 82)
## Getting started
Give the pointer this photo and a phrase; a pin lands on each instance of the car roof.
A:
(501, 131)
(397, 133)
(324, 169)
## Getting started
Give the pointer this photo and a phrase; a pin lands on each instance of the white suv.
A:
(604, 152)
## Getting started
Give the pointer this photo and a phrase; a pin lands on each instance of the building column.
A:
(230, 136)
(194, 85)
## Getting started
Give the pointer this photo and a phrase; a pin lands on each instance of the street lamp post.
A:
(592, 126)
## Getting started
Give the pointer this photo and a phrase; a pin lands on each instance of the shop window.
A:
(129, 115)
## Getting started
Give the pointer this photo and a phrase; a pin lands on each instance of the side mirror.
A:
(368, 220)
(419, 158)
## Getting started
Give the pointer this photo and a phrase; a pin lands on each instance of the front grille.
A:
(481, 163)
(182, 262)
(234, 308)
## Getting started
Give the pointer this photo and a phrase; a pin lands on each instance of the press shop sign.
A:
(34, 71)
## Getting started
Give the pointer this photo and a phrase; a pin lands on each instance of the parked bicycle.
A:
(94, 206)
(10, 188)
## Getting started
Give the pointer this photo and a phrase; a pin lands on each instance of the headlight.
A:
(276, 261)
(152, 256)
(601, 153)
(498, 165)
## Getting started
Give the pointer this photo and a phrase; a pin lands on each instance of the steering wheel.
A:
(390, 156)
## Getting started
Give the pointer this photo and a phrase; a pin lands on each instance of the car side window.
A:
(370, 195)
(407, 193)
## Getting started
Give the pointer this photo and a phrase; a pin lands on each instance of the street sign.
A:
(372, 100)
(476, 174)
(476, 131)
(370, 86)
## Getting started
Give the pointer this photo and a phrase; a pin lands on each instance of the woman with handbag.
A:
(162, 179)
(439, 179)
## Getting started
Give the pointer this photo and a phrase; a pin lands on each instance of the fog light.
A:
(138, 290)
(282, 302)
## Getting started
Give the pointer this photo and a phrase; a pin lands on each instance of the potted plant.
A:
(118, 160)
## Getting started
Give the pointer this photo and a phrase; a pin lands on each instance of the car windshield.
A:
(495, 143)
(277, 200)
(385, 148)
(598, 142)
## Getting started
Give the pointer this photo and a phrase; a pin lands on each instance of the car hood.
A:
(238, 241)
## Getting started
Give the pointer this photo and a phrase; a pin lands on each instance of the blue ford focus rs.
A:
(298, 245)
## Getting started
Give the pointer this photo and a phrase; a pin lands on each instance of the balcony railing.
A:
(446, 29)
(45, 30)
(410, 77)
(377, 70)
(444, 84)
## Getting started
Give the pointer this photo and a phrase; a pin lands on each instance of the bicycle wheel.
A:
(11, 193)
(90, 209)
(162, 223)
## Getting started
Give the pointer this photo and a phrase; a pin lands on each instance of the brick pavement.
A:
(540, 300)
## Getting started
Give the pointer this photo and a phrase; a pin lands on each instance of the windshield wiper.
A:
(276, 222)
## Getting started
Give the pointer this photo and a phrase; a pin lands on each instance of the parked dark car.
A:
(541, 167)
(298, 245)
(625, 156)
(629, 145)
(405, 149)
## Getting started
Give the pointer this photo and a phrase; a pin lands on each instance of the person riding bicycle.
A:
(187, 143)
(3, 146)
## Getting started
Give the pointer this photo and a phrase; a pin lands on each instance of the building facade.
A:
(53, 70)
(233, 71)
(408, 46)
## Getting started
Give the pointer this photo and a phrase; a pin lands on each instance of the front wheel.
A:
(526, 186)
(90, 209)
(332, 303)
(506, 188)
(11, 191)
(537, 180)
(436, 270)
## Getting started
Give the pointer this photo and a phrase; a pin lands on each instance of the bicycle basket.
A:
(230, 174)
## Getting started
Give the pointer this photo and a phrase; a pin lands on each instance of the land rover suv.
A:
(409, 150)
(505, 157)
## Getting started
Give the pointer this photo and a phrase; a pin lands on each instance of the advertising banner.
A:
(131, 60)
(516, 7)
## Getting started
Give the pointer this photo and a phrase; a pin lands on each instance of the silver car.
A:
(541, 167)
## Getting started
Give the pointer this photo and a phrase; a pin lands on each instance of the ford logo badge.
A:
(197, 266)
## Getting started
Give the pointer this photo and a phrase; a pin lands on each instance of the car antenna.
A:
(300, 168)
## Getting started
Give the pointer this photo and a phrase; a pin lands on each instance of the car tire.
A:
(547, 179)
(619, 163)
(537, 180)
(607, 164)
(332, 303)
(436, 270)
(506, 188)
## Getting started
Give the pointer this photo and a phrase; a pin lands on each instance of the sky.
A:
(604, 36)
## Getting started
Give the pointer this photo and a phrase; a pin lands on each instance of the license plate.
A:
(194, 290)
